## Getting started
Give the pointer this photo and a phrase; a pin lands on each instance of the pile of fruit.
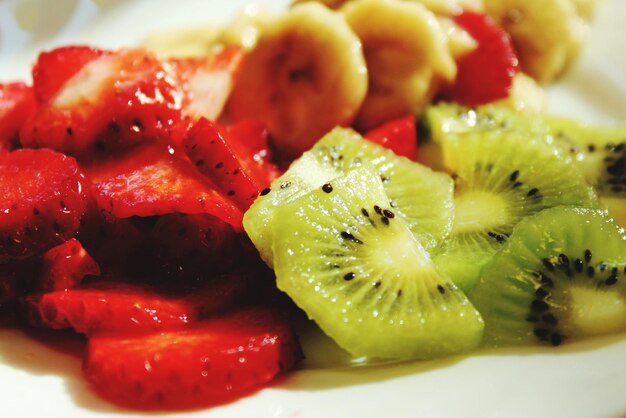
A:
(163, 207)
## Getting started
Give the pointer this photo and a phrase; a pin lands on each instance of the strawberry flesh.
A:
(66, 265)
(42, 199)
(125, 307)
(193, 247)
(54, 68)
(207, 363)
(154, 180)
(399, 135)
(114, 101)
(486, 73)
(207, 147)
(249, 140)
(17, 103)
(208, 81)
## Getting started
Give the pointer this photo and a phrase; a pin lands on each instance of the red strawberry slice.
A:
(485, 74)
(42, 199)
(208, 81)
(207, 363)
(54, 68)
(212, 155)
(125, 307)
(17, 278)
(399, 135)
(193, 247)
(154, 180)
(249, 140)
(114, 101)
(17, 103)
(114, 243)
(65, 266)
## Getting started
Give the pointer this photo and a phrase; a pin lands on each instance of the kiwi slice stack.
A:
(561, 275)
(356, 268)
(381, 252)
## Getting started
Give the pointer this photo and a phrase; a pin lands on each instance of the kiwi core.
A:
(477, 210)
(392, 251)
(595, 312)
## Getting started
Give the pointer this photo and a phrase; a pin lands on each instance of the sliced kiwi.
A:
(561, 275)
(418, 194)
(600, 153)
(446, 119)
(616, 208)
(354, 266)
(500, 178)
(304, 174)
(422, 197)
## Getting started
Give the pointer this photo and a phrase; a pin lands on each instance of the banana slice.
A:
(189, 42)
(443, 7)
(547, 34)
(407, 57)
(460, 42)
(305, 76)
(587, 8)
(245, 28)
(526, 95)
(450, 7)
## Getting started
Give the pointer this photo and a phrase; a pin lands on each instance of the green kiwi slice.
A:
(355, 267)
(616, 208)
(419, 195)
(304, 174)
(500, 178)
(561, 275)
(600, 153)
(445, 119)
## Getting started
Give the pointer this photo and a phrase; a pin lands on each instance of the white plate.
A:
(586, 379)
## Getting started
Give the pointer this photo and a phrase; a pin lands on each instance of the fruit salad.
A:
(192, 206)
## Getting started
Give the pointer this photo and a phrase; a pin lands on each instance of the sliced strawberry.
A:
(115, 244)
(208, 363)
(42, 199)
(125, 307)
(17, 103)
(207, 147)
(249, 140)
(54, 68)
(485, 74)
(399, 135)
(114, 101)
(154, 180)
(65, 266)
(17, 278)
(193, 247)
(208, 81)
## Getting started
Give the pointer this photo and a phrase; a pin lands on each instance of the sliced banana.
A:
(460, 42)
(305, 76)
(450, 7)
(407, 57)
(443, 7)
(182, 43)
(526, 95)
(547, 34)
(587, 8)
(245, 28)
